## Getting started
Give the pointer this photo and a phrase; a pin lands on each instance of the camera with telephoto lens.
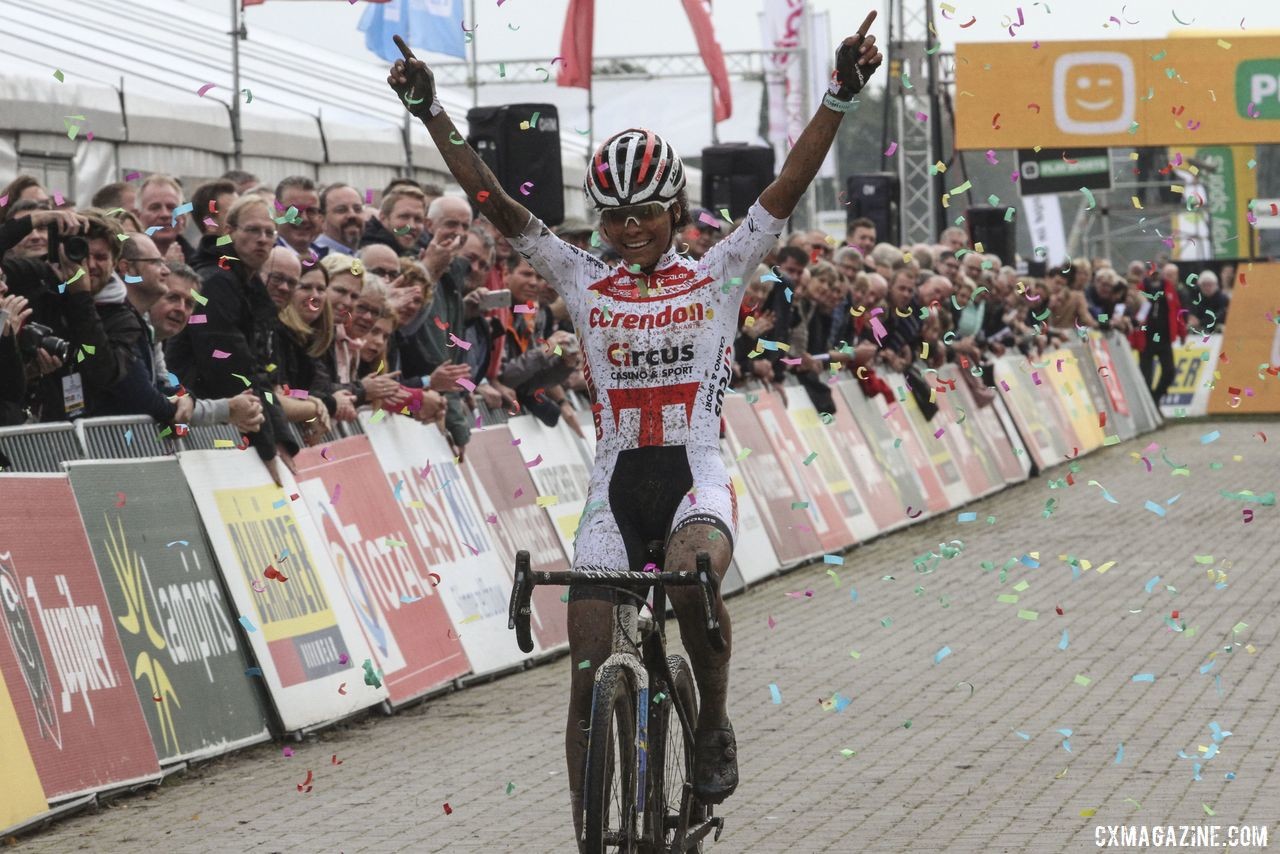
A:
(34, 336)
(75, 246)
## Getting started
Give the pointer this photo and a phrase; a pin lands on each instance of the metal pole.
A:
(591, 115)
(715, 136)
(475, 74)
(935, 121)
(237, 139)
(810, 206)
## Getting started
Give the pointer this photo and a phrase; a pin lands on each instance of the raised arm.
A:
(856, 60)
(416, 86)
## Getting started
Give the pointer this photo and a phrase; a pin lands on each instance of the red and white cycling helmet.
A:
(634, 167)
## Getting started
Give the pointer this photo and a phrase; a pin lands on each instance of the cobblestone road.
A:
(962, 751)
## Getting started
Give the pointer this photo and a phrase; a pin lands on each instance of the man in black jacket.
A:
(231, 350)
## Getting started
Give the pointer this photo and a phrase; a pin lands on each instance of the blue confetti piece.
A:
(853, 595)
(128, 436)
(173, 378)
(1144, 677)
(1029, 562)
(1230, 775)
(409, 600)
(1210, 437)
(276, 505)
(284, 554)
(1207, 666)
(1022, 735)
(1196, 771)
(153, 229)
(1216, 730)
(967, 517)
(787, 293)
(776, 694)
(253, 671)
(248, 624)
(1066, 745)
(842, 702)
(1155, 508)
(1065, 732)
(176, 543)
(131, 280)
(1120, 753)
(833, 559)
(180, 210)
(1151, 585)
(1062, 644)
(1211, 752)
(941, 654)
(399, 486)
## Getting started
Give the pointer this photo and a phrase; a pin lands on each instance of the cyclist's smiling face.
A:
(641, 234)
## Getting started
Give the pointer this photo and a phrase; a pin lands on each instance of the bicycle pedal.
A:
(718, 823)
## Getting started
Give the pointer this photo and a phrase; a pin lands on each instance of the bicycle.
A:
(638, 791)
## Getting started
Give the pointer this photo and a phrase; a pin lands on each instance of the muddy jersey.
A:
(658, 350)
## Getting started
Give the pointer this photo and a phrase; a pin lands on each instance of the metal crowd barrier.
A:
(39, 447)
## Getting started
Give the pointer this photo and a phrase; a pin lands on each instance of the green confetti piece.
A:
(1021, 585)
(1238, 628)
(1007, 598)
(846, 753)
(1207, 810)
(378, 416)
(906, 725)
(854, 654)
(511, 787)
(224, 240)
(1082, 680)
(799, 505)
(195, 295)
(1028, 615)
(59, 76)
(963, 188)
(1008, 214)
(585, 664)
(812, 456)
(887, 622)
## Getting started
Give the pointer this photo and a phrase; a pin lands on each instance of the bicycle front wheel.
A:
(609, 795)
(670, 763)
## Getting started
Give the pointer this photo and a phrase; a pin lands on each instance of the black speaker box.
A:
(526, 160)
(734, 175)
(987, 226)
(875, 196)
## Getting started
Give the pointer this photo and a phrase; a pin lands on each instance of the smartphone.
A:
(490, 300)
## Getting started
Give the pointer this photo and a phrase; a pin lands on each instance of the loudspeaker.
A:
(987, 226)
(875, 196)
(734, 175)
(521, 144)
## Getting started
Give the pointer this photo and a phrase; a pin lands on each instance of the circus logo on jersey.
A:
(674, 281)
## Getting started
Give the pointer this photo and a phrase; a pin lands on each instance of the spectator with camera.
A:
(13, 376)
(231, 350)
(63, 344)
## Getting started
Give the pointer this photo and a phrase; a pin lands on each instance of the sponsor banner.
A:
(23, 796)
(958, 416)
(505, 493)
(824, 513)
(1032, 419)
(553, 458)
(284, 590)
(818, 456)
(769, 482)
(1194, 363)
(1250, 381)
(1220, 190)
(897, 451)
(167, 603)
(753, 555)
(60, 655)
(380, 567)
(1000, 409)
(1072, 399)
(1044, 170)
(907, 418)
(1106, 371)
(882, 498)
(983, 428)
(433, 497)
(1070, 94)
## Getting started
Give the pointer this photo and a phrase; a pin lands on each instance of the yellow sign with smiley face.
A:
(1181, 91)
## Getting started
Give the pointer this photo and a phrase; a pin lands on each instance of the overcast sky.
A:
(660, 26)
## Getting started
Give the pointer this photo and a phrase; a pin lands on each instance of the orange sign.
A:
(1243, 382)
(1184, 92)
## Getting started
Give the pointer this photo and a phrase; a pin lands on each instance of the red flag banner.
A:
(576, 44)
(699, 12)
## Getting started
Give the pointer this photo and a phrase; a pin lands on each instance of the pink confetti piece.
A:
(492, 518)
(197, 318)
(937, 434)
(772, 621)
(991, 157)
(473, 549)
(892, 149)
(922, 117)
(519, 491)
(203, 90)
(708, 219)
(299, 393)
(368, 195)
(221, 354)
(4, 200)
(58, 201)
(535, 461)
(791, 361)
(515, 441)
(287, 752)
(337, 493)
(466, 383)
(133, 176)
(525, 308)
(455, 341)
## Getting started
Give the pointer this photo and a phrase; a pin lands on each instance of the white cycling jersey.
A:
(658, 358)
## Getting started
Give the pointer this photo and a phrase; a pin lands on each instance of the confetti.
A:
(775, 694)
(203, 90)
(248, 624)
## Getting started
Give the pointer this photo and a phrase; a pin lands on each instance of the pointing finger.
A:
(408, 54)
(862, 31)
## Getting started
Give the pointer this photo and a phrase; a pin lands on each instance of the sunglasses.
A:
(642, 213)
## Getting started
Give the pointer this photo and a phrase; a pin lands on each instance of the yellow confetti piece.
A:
(1224, 44)
(547, 500)
(1082, 680)
(1106, 566)
(1088, 812)
(1007, 598)
(223, 443)
(1029, 615)
(1137, 204)
(473, 618)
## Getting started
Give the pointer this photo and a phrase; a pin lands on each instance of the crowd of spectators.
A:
(264, 306)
